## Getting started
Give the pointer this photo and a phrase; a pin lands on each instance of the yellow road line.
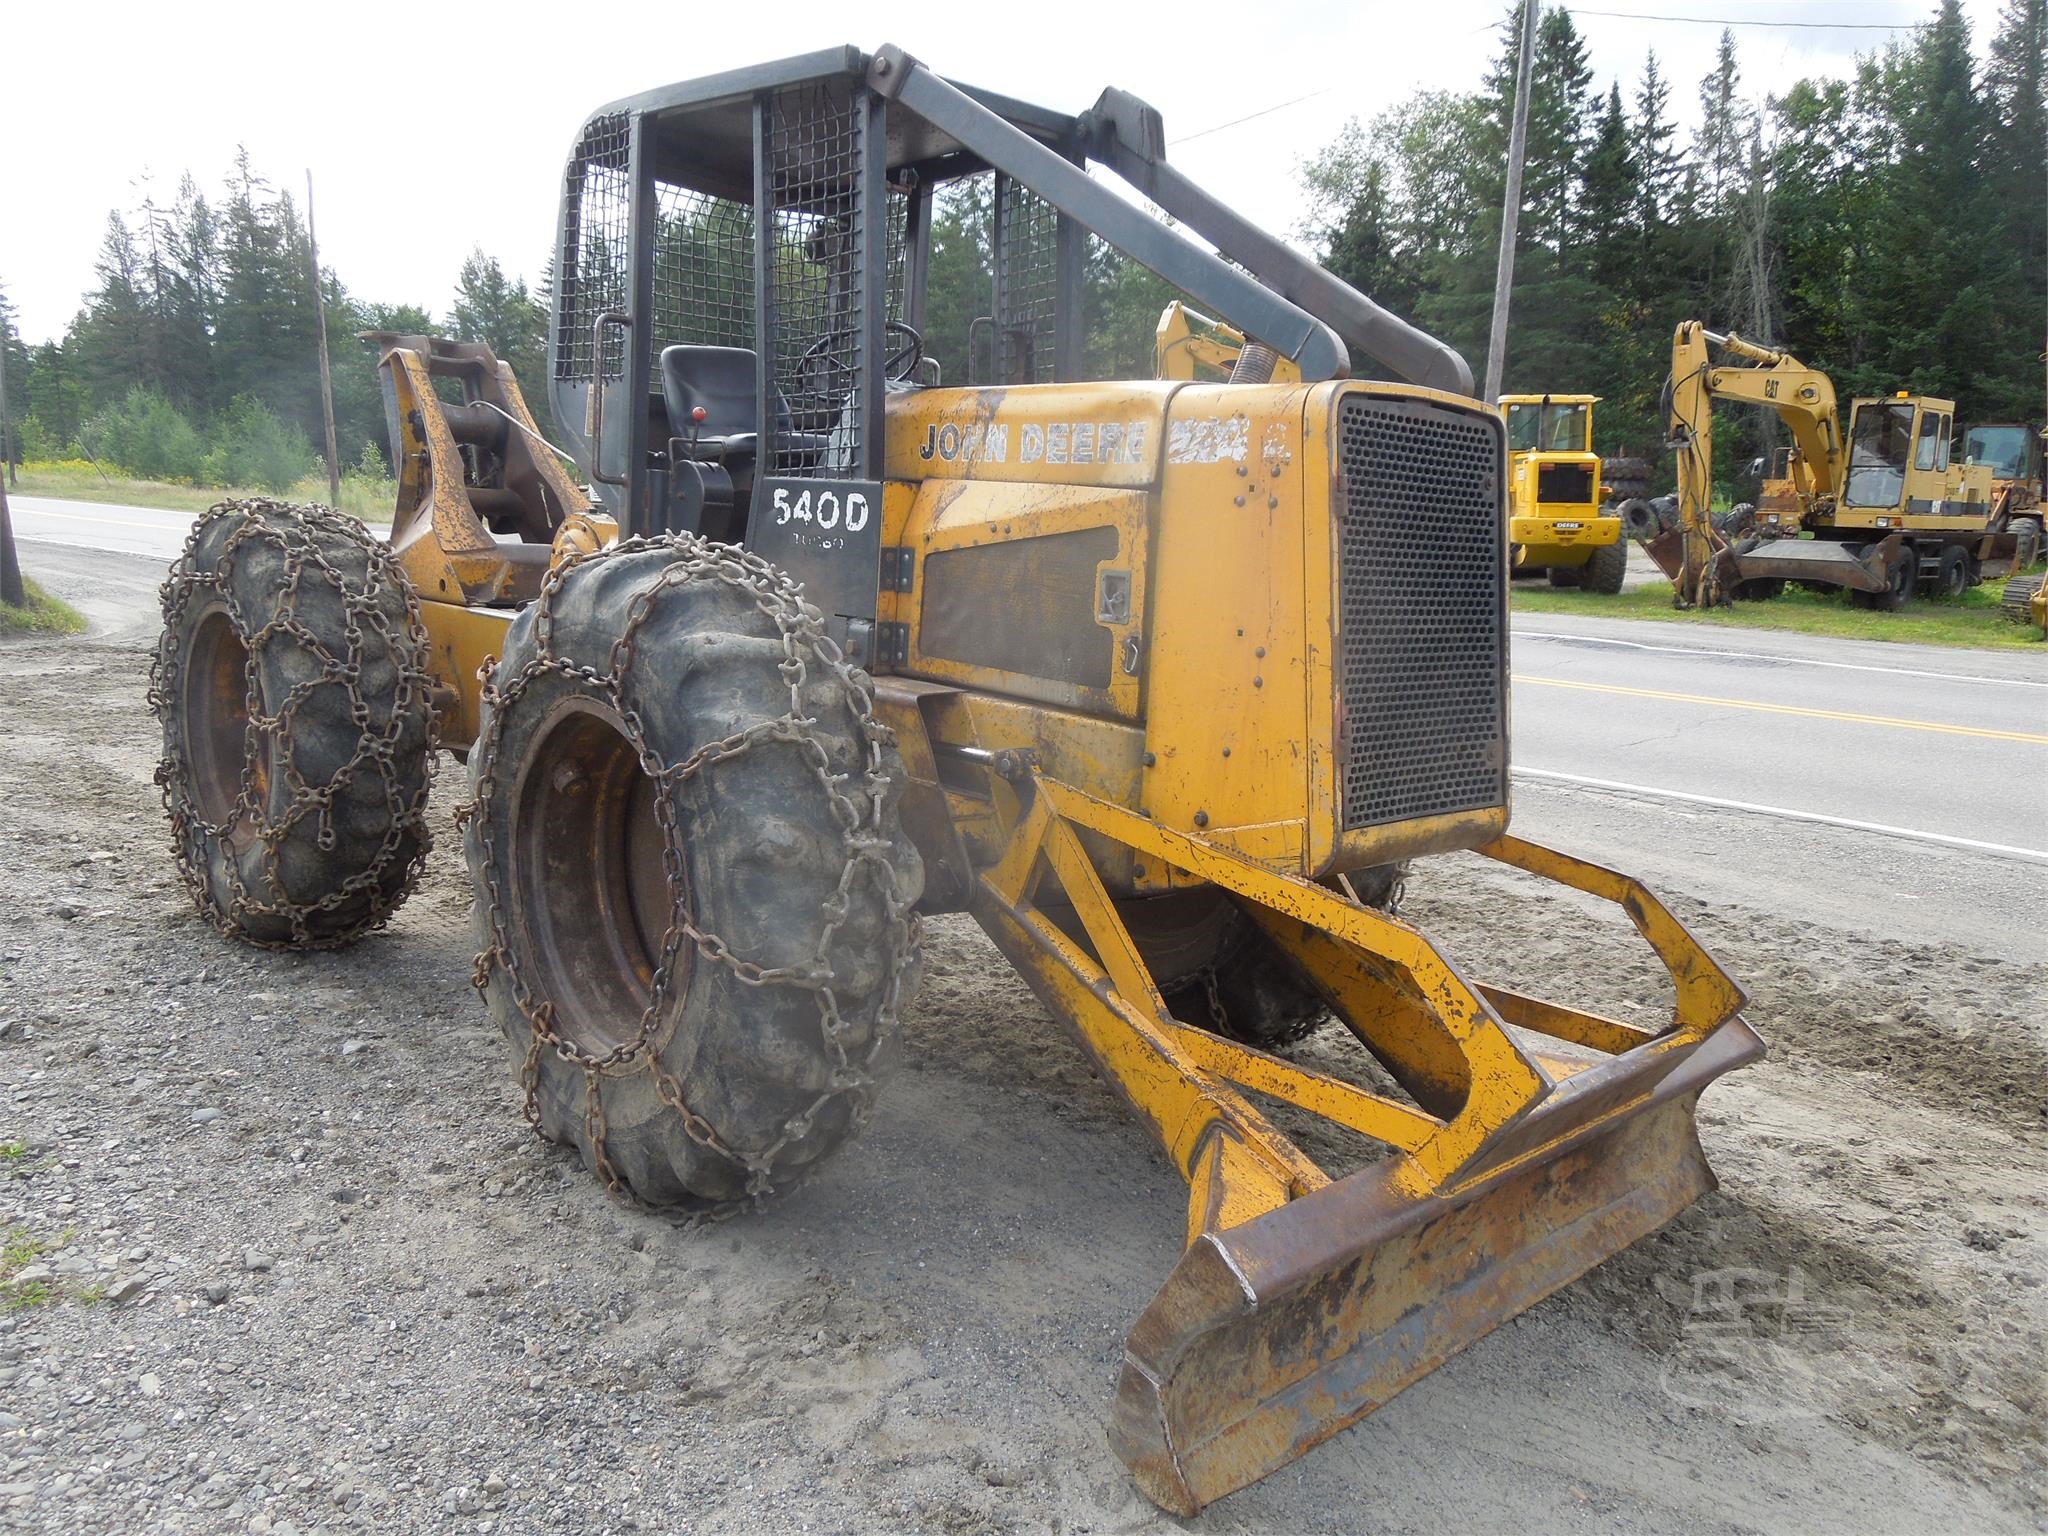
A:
(110, 522)
(1789, 709)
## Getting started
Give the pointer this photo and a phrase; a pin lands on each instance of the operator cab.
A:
(1549, 423)
(740, 284)
(1893, 442)
(2012, 449)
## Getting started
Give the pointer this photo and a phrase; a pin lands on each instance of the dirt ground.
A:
(308, 1271)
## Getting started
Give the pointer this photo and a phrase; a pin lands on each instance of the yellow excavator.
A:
(1148, 676)
(1881, 511)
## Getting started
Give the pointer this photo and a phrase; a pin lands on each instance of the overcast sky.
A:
(433, 128)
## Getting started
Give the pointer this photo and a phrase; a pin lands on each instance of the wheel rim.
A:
(214, 722)
(586, 881)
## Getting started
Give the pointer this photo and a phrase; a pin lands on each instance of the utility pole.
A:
(11, 589)
(326, 378)
(6, 421)
(1511, 209)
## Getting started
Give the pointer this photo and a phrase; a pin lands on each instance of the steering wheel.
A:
(825, 358)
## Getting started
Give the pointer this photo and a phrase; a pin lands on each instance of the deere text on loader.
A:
(1145, 675)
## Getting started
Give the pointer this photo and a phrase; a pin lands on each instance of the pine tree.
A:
(1611, 198)
(1650, 135)
(14, 365)
(1559, 131)
(501, 313)
(1717, 146)
(2016, 248)
(107, 338)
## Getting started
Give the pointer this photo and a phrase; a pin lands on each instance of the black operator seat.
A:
(722, 381)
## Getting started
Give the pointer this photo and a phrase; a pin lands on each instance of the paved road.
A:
(1905, 737)
(95, 525)
(1902, 788)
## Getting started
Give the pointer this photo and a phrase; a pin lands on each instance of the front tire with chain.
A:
(694, 896)
(292, 687)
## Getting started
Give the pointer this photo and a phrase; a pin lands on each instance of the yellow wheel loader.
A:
(1561, 514)
(1148, 676)
(1879, 510)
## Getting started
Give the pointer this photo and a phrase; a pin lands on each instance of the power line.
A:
(1262, 112)
(1706, 21)
(1725, 21)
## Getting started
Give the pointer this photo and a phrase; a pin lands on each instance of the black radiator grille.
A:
(1564, 484)
(1422, 615)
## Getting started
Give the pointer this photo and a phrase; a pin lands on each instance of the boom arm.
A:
(1804, 399)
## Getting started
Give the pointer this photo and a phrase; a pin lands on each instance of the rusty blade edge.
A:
(1261, 1343)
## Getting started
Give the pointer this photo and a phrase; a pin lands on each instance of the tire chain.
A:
(268, 737)
(805, 644)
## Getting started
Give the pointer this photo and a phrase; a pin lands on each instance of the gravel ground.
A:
(284, 1257)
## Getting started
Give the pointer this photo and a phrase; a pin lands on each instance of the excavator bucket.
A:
(1535, 1141)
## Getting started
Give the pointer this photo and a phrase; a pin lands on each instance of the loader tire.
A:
(1565, 576)
(1218, 971)
(1638, 519)
(1627, 479)
(693, 892)
(1738, 522)
(1605, 568)
(291, 684)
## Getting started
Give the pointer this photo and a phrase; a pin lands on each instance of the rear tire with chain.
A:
(292, 687)
(693, 891)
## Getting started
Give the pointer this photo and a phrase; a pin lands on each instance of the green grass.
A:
(41, 615)
(77, 480)
(1971, 620)
(19, 1248)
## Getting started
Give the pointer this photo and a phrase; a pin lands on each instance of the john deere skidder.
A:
(1145, 675)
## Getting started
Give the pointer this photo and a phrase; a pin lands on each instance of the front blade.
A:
(1270, 1337)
